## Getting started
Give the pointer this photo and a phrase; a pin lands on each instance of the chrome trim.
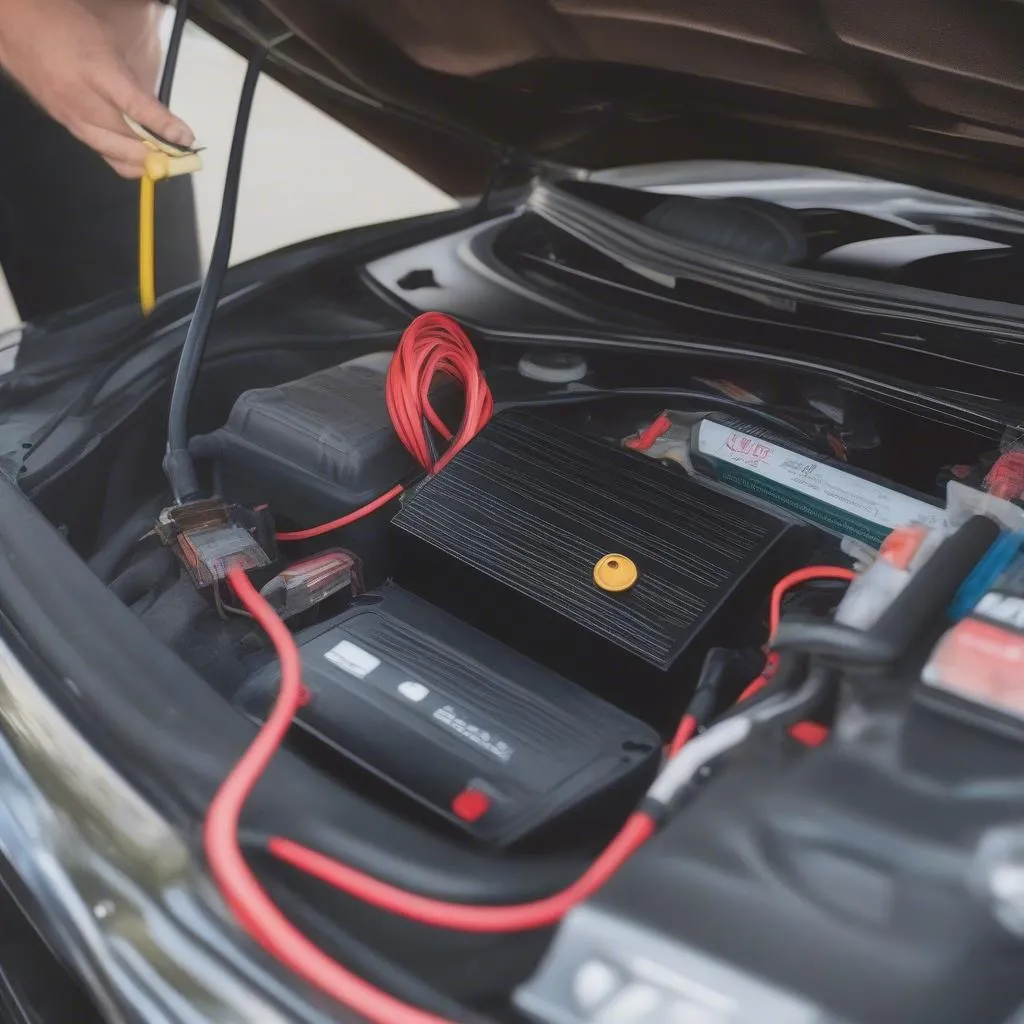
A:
(121, 897)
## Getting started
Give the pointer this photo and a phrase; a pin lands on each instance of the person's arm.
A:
(86, 63)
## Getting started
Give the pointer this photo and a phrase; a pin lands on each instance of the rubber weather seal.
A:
(648, 251)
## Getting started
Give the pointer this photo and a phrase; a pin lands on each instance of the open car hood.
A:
(920, 90)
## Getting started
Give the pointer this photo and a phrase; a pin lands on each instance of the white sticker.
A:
(352, 659)
(1003, 608)
(807, 476)
(413, 691)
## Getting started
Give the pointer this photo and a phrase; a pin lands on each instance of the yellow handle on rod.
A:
(147, 244)
(162, 161)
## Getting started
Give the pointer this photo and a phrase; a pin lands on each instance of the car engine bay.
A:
(613, 645)
(520, 595)
(599, 603)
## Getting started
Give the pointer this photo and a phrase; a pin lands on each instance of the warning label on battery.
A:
(983, 662)
(821, 493)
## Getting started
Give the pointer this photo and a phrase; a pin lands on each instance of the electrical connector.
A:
(307, 583)
(211, 538)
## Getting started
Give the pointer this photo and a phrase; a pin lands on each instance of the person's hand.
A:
(86, 63)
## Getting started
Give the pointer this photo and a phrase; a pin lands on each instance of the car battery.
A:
(612, 569)
(487, 739)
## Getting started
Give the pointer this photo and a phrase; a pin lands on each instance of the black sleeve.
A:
(69, 224)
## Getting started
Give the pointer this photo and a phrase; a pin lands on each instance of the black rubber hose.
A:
(173, 48)
(924, 601)
(120, 544)
(143, 577)
(178, 463)
(919, 607)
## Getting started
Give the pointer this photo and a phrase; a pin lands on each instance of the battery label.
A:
(820, 493)
(352, 659)
(981, 662)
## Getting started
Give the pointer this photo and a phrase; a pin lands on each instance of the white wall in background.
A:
(8, 314)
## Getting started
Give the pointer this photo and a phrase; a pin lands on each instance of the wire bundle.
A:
(432, 344)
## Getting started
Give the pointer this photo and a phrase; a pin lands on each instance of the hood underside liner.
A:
(917, 91)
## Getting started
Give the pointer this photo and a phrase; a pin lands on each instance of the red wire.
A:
(811, 572)
(687, 728)
(465, 917)
(255, 911)
(643, 441)
(352, 517)
(432, 344)
(809, 733)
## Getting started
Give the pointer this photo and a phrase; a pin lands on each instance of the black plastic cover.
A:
(314, 448)
(487, 739)
(851, 875)
(507, 537)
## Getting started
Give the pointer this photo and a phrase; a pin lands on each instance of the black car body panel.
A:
(112, 745)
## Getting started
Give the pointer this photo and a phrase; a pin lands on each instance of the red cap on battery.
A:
(471, 805)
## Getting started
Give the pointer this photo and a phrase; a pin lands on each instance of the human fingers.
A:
(117, 84)
(126, 170)
(125, 154)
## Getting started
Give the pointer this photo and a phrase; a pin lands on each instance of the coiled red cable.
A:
(432, 344)
(435, 344)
